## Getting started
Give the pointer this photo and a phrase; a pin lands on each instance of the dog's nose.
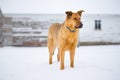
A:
(81, 25)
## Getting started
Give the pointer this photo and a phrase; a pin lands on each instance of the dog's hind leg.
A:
(51, 47)
(58, 55)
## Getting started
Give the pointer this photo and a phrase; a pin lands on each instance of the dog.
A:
(65, 37)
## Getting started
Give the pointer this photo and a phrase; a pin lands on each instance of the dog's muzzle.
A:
(81, 25)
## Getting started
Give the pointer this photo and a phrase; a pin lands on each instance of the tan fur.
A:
(62, 38)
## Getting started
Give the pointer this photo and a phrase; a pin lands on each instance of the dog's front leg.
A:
(62, 56)
(72, 54)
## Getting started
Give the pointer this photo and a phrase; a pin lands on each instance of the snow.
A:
(31, 63)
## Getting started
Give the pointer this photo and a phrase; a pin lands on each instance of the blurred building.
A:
(1, 27)
(24, 31)
(28, 33)
(7, 31)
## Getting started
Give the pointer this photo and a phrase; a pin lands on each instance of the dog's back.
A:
(53, 30)
(53, 33)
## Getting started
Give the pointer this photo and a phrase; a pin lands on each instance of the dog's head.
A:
(73, 20)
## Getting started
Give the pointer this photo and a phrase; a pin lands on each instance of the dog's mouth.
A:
(81, 25)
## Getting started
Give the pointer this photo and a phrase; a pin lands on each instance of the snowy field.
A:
(31, 63)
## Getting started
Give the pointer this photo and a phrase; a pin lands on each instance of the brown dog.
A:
(65, 37)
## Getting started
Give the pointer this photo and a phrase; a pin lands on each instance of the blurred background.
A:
(26, 22)
(23, 40)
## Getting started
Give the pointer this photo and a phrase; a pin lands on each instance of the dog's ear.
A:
(68, 13)
(80, 12)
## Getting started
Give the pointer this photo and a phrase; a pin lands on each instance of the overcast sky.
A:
(60, 6)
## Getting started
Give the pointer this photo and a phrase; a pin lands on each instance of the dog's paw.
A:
(62, 67)
(50, 62)
(71, 65)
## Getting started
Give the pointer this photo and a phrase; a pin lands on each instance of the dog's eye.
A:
(75, 18)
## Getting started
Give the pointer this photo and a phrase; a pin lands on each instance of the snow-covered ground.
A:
(31, 63)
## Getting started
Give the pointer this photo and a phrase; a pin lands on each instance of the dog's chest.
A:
(69, 43)
(70, 40)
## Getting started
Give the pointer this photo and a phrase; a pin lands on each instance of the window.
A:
(97, 24)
